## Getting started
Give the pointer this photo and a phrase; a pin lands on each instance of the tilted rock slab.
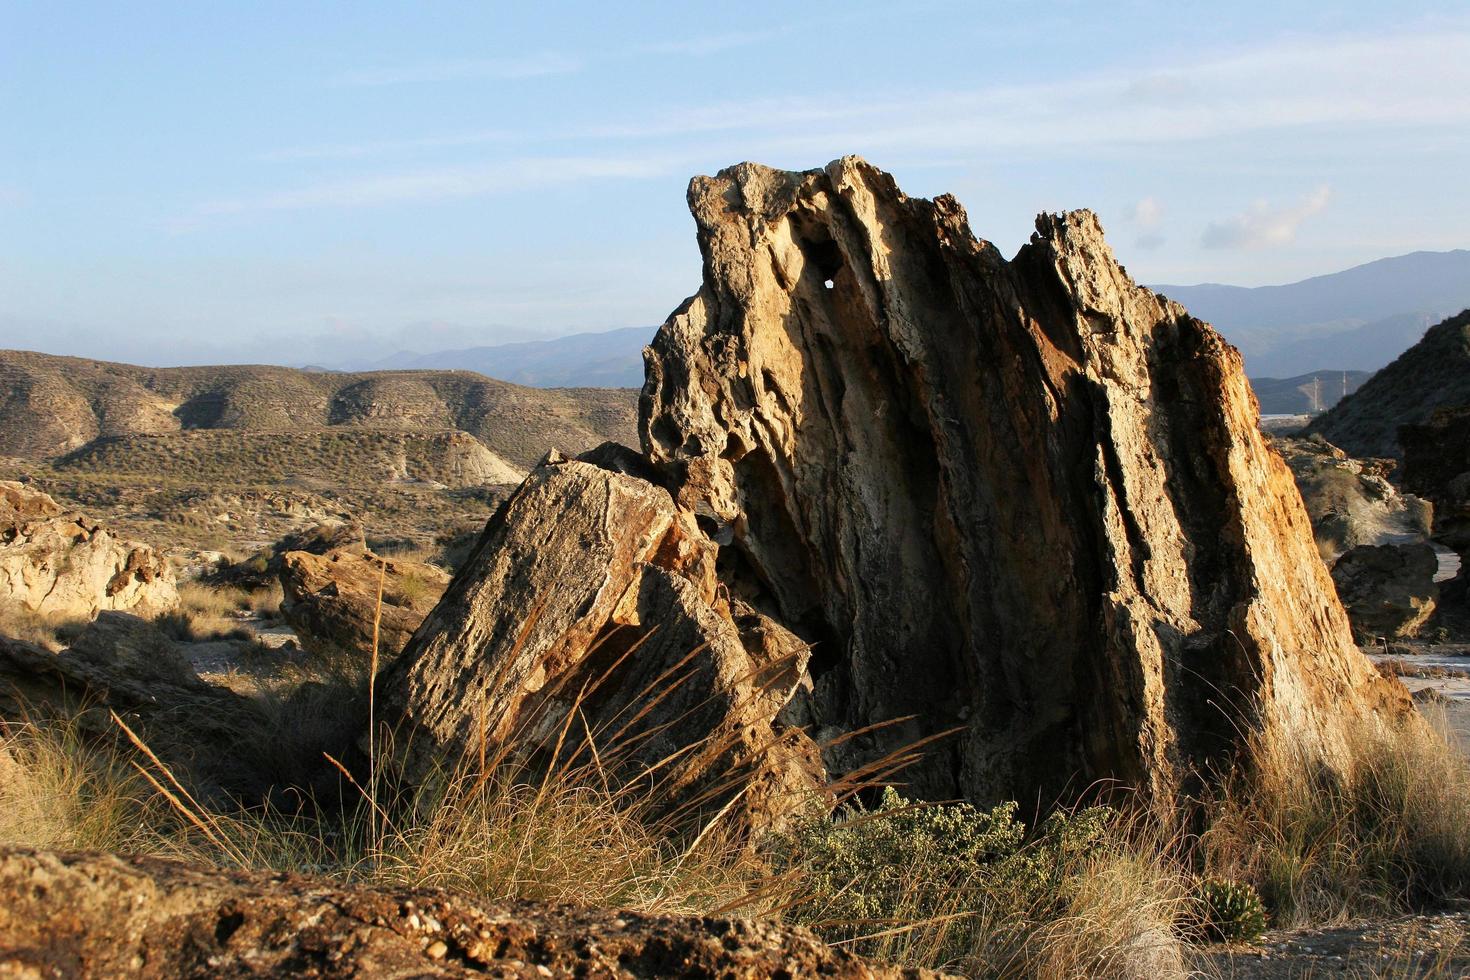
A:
(96, 915)
(1023, 499)
(587, 629)
(61, 564)
(331, 600)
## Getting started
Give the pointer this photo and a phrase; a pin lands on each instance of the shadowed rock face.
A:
(99, 915)
(1025, 499)
(331, 599)
(1437, 465)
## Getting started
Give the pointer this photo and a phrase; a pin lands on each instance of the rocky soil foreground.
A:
(96, 915)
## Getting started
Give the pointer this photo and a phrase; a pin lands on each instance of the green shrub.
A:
(1227, 911)
(961, 882)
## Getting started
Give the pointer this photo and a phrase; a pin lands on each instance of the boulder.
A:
(79, 914)
(61, 565)
(1387, 589)
(1372, 536)
(331, 599)
(588, 625)
(1351, 501)
(1026, 500)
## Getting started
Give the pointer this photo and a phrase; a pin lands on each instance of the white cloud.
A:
(522, 66)
(1146, 213)
(1263, 226)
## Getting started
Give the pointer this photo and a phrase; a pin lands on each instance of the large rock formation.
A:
(1027, 499)
(98, 915)
(331, 599)
(1020, 511)
(1433, 374)
(62, 565)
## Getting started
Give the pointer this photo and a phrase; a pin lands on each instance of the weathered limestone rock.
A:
(1388, 590)
(95, 915)
(62, 565)
(1350, 501)
(589, 613)
(331, 599)
(1025, 499)
(1372, 537)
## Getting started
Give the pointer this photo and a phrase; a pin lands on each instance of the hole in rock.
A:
(828, 284)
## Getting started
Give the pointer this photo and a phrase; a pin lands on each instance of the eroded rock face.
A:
(331, 599)
(63, 565)
(1024, 499)
(1373, 537)
(1351, 501)
(100, 915)
(592, 599)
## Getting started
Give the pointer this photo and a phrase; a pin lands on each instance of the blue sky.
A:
(298, 182)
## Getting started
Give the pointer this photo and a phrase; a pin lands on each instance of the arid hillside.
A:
(51, 406)
(1433, 374)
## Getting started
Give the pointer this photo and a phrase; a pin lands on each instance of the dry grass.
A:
(1390, 837)
(59, 790)
(207, 612)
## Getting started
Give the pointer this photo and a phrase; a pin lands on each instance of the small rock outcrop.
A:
(1012, 524)
(1433, 374)
(331, 599)
(592, 599)
(1388, 590)
(60, 564)
(1373, 537)
(1351, 501)
(96, 915)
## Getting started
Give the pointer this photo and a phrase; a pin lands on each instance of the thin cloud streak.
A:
(1263, 226)
(439, 184)
(372, 148)
(523, 66)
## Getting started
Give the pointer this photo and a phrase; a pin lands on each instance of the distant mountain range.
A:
(612, 359)
(1355, 321)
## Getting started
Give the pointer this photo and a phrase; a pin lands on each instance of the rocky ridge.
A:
(51, 406)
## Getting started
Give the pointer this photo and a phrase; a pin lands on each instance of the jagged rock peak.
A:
(1026, 499)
